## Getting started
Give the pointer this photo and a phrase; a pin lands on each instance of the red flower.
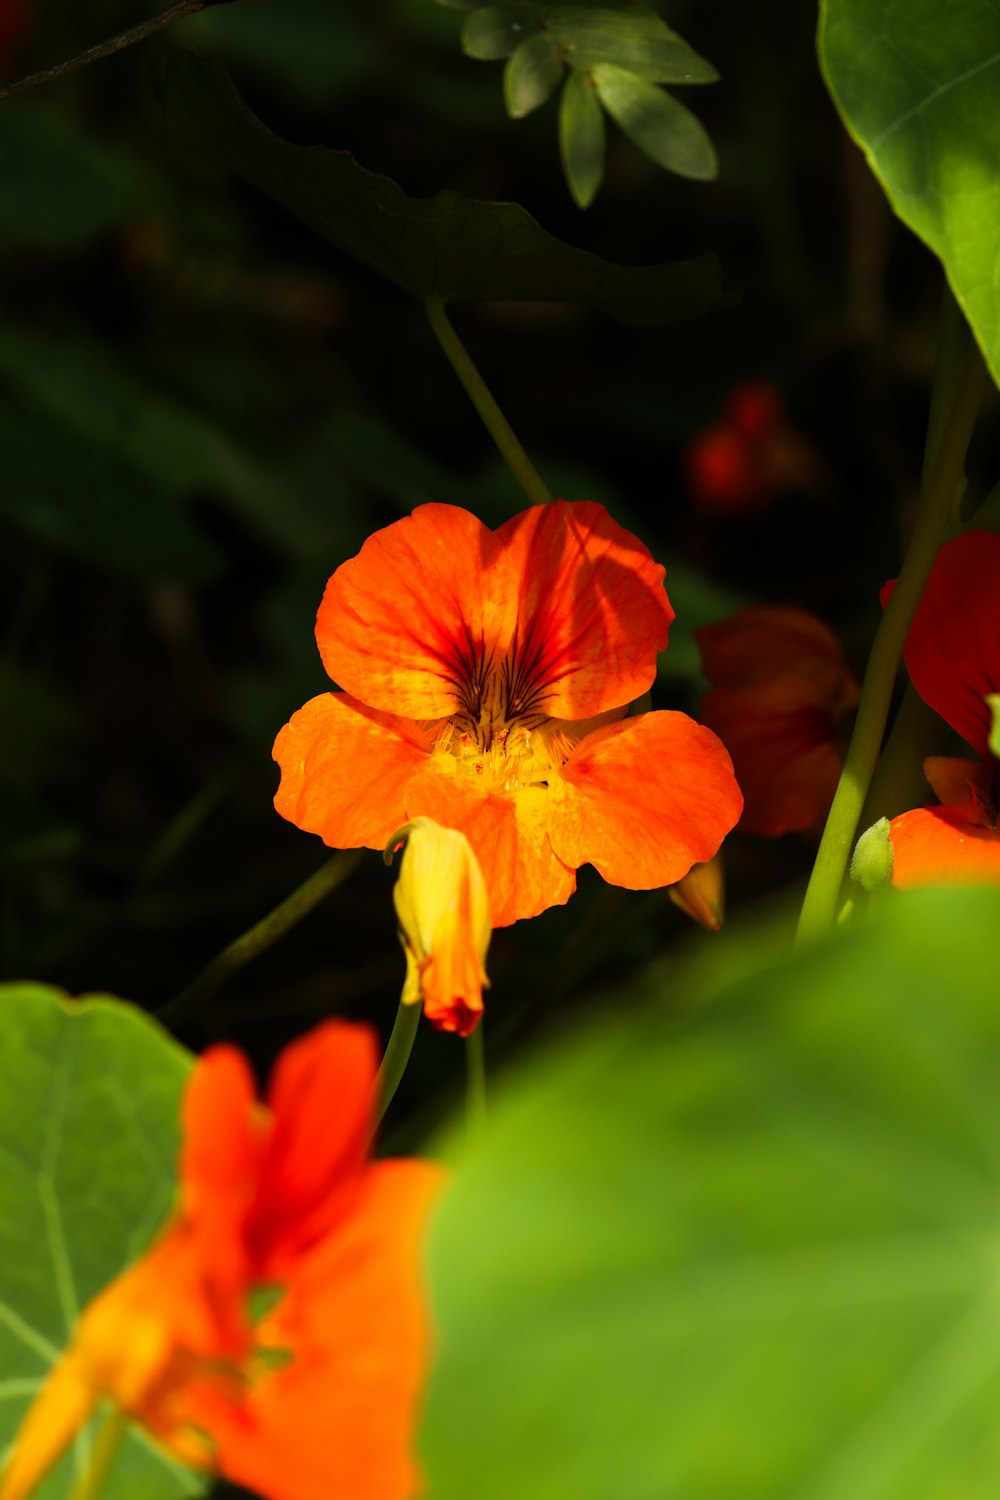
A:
(319, 1396)
(780, 691)
(952, 654)
(746, 461)
(486, 676)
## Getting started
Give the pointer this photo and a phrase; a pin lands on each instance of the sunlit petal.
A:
(402, 624)
(345, 769)
(939, 846)
(592, 609)
(644, 800)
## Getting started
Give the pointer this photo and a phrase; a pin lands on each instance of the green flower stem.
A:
(475, 1080)
(822, 896)
(397, 1054)
(102, 1458)
(139, 33)
(481, 397)
(260, 937)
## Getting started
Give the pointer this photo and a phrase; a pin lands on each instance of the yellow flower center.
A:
(506, 756)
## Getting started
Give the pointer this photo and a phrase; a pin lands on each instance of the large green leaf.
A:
(918, 87)
(739, 1239)
(450, 246)
(89, 1096)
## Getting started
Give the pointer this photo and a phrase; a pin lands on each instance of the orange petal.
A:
(939, 846)
(344, 770)
(61, 1408)
(403, 624)
(644, 800)
(592, 612)
(340, 1418)
(321, 1097)
(219, 1168)
(507, 831)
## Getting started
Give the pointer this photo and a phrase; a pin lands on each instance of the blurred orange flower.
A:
(486, 677)
(780, 690)
(952, 654)
(319, 1395)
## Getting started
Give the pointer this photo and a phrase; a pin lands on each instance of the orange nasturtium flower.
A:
(952, 654)
(318, 1396)
(485, 679)
(780, 691)
(444, 924)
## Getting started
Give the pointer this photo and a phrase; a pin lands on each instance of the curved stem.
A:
(475, 1080)
(178, 12)
(259, 937)
(92, 1481)
(397, 1054)
(820, 905)
(481, 397)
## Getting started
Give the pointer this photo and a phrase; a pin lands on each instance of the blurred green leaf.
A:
(123, 415)
(316, 50)
(632, 38)
(776, 1221)
(89, 1098)
(656, 122)
(497, 30)
(62, 188)
(40, 726)
(532, 73)
(581, 138)
(917, 86)
(30, 831)
(88, 501)
(450, 246)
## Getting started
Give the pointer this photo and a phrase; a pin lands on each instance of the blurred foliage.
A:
(918, 93)
(737, 1236)
(88, 1129)
(452, 248)
(613, 55)
(211, 391)
(206, 405)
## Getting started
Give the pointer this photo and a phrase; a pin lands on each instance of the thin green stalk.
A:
(260, 937)
(481, 397)
(92, 1481)
(178, 12)
(475, 1080)
(822, 896)
(397, 1054)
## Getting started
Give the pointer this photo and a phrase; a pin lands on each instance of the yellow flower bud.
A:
(444, 923)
